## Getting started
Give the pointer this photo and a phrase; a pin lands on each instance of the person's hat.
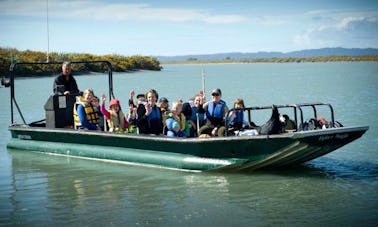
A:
(163, 99)
(114, 102)
(216, 91)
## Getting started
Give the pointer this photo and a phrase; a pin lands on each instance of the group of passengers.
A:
(194, 118)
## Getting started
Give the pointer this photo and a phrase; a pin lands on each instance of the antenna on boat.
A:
(47, 28)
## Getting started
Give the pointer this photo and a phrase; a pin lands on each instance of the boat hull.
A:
(193, 154)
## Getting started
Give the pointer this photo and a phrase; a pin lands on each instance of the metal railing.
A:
(297, 110)
(13, 68)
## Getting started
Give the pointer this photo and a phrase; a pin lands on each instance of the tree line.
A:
(119, 63)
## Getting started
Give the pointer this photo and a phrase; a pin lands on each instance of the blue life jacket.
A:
(193, 117)
(238, 118)
(217, 111)
(237, 121)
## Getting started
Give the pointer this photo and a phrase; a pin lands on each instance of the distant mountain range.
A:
(337, 51)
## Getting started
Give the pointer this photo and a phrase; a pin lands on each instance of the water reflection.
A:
(66, 191)
(68, 188)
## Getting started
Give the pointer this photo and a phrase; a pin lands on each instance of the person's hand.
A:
(132, 93)
(66, 93)
(214, 132)
(201, 96)
(103, 98)
(148, 108)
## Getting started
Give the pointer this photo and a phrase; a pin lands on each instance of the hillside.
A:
(323, 52)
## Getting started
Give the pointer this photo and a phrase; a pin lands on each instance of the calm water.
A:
(337, 189)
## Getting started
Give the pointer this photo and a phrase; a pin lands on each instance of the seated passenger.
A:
(85, 115)
(195, 118)
(287, 123)
(150, 119)
(236, 117)
(215, 111)
(115, 117)
(176, 122)
(132, 114)
(163, 104)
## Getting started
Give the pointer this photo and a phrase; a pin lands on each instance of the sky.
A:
(186, 27)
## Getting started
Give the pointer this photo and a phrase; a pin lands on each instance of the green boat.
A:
(241, 152)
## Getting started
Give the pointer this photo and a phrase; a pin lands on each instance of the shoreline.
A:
(362, 58)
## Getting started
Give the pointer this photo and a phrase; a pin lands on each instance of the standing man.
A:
(65, 83)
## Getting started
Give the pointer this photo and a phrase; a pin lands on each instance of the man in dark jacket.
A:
(65, 83)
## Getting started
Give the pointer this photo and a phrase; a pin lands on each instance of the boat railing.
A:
(298, 113)
(13, 74)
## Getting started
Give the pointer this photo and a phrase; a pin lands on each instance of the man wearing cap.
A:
(216, 111)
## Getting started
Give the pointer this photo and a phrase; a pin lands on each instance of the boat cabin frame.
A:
(13, 73)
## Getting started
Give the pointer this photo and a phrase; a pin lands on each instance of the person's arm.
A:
(202, 108)
(126, 122)
(131, 98)
(56, 86)
(225, 111)
(83, 118)
(104, 111)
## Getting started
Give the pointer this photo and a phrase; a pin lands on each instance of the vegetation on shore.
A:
(278, 60)
(123, 64)
(119, 63)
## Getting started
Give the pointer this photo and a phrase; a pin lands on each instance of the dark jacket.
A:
(70, 85)
(148, 125)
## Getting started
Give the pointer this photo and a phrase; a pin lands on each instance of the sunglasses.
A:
(215, 94)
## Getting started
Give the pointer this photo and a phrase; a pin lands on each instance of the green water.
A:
(337, 189)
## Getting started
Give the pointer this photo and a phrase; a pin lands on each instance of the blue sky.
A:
(187, 27)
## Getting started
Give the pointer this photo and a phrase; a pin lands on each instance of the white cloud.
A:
(348, 30)
(102, 10)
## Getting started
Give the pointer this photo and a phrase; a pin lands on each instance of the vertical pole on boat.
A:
(203, 81)
(198, 134)
(204, 95)
(47, 27)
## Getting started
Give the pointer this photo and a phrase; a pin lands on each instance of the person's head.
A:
(88, 95)
(115, 105)
(152, 96)
(95, 101)
(216, 95)
(197, 101)
(176, 107)
(239, 104)
(163, 103)
(66, 68)
(140, 98)
(186, 109)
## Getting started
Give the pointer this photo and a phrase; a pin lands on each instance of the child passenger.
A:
(115, 116)
(236, 117)
(85, 115)
(176, 122)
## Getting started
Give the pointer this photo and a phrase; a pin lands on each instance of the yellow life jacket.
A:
(91, 113)
(116, 121)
